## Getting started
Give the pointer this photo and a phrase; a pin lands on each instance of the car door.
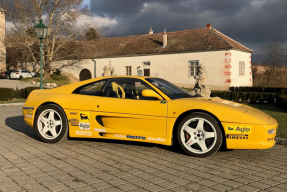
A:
(122, 109)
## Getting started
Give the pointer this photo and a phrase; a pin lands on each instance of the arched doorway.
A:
(85, 74)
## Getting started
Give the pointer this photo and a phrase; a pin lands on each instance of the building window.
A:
(128, 70)
(146, 63)
(146, 72)
(241, 67)
(140, 73)
(193, 65)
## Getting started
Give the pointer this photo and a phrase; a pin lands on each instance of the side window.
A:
(193, 65)
(126, 88)
(94, 88)
(241, 68)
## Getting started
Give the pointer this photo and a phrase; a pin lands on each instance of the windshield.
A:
(171, 90)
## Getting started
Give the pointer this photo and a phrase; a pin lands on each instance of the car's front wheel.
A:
(51, 124)
(199, 135)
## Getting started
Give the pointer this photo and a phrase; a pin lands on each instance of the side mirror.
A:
(151, 93)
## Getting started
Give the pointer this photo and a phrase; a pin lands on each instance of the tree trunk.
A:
(47, 69)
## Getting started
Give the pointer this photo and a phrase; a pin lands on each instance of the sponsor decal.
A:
(28, 116)
(29, 112)
(236, 136)
(73, 113)
(84, 126)
(135, 137)
(74, 122)
(120, 136)
(270, 139)
(163, 102)
(84, 133)
(238, 129)
(100, 130)
(84, 117)
(29, 108)
(155, 139)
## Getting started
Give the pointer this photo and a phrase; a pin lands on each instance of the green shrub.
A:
(6, 94)
(281, 102)
(243, 96)
(17, 94)
(235, 97)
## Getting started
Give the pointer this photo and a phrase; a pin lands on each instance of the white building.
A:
(173, 56)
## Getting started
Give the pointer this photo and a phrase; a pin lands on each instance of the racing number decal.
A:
(84, 118)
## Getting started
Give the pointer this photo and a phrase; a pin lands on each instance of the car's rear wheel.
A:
(21, 77)
(199, 135)
(51, 124)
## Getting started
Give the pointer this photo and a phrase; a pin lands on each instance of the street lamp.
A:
(41, 31)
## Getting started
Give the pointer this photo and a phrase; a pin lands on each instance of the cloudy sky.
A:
(250, 22)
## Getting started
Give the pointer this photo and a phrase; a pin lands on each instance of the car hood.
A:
(225, 111)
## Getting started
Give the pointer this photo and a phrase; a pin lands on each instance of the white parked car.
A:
(20, 74)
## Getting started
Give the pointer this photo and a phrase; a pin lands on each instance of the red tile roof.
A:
(178, 41)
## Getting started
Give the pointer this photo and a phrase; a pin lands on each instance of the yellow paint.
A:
(151, 120)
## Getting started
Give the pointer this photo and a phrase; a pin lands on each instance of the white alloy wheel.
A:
(199, 135)
(191, 135)
(50, 124)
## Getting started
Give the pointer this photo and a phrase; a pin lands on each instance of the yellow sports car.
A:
(148, 110)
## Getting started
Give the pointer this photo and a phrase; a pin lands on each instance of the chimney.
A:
(164, 38)
(150, 31)
(208, 26)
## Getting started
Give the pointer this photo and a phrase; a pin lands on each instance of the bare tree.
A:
(92, 34)
(273, 54)
(60, 16)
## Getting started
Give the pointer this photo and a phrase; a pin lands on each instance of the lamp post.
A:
(41, 31)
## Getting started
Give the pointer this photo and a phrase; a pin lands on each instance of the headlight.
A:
(271, 131)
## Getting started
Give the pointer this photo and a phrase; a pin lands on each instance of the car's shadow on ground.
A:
(18, 124)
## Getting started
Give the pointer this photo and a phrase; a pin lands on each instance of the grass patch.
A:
(58, 79)
(276, 113)
(13, 101)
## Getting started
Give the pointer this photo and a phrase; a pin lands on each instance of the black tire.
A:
(63, 132)
(21, 77)
(190, 145)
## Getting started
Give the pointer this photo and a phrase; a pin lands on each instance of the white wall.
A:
(236, 79)
(172, 67)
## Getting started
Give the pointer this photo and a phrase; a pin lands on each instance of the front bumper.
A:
(255, 138)
(28, 113)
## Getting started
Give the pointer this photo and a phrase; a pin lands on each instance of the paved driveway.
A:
(8, 83)
(26, 164)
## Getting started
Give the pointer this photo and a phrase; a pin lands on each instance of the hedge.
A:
(282, 91)
(282, 102)
(245, 96)
(7, 94)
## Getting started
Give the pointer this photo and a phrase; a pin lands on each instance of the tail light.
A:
(17, 73)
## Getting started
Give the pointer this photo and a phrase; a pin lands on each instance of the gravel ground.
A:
(14, 83)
